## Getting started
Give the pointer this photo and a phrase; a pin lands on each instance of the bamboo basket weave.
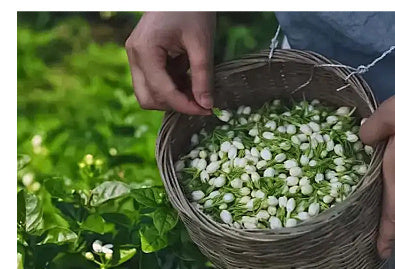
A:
(343, 236)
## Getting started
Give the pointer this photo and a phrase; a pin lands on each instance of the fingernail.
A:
(206, 101)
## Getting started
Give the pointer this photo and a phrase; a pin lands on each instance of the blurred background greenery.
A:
(75, 98)
(74, 88)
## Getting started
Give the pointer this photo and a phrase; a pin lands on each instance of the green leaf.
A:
(22, 161)
(21, 208)
(108, 190)
(125, 255)
(94, 223)
(59, 236)
(56, 187)
(151, 240)
(149, 197)
(164, 219)
(34, 214)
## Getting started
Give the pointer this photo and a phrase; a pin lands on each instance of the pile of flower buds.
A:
(276, 166)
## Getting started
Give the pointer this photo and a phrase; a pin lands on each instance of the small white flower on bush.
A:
(98, 247)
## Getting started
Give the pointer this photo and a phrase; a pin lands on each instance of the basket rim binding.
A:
(251, 61)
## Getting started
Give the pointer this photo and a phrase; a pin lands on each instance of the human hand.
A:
(161, 49)
(379, 126)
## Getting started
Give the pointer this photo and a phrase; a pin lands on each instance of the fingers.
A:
(154, 88)
(381, 124)
(386, 238)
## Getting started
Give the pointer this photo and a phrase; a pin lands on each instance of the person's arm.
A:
(161, 49)
(380, 126)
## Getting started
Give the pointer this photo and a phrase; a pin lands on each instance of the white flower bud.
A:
(295, 171)
(272, 210)
(213, 194)
(213, 167)
(275, 223)
(223, 206)
(291, 205)
(225, 115)
(280, 157)
(197, 195)
(255, 176)
(295, 140)
(304, 146)
(281, 129)
(219, 182)
(343, 111)
(250, 205)
(194, 154)
(271, 125)
(208, 203)
(255, 152)
(304, 128)
(338, 149)
(179, 166)
(282, 201)
(272, 200)
(257, 140)
(245, 199)
(232, 153)
(201, 165)
(290, 223)
(263, 215)
(313, 163)
(238, 144)
(306, 189)
(253, 132)
(226, 217)
(340, 168)
(314, 126)
(256, 117)
(331, 119)
(292, 181)
(236, 183)
(304, 160)
(268, 135)
(225, 146)
(282, 175)
(245, 177)
(288, 164)
(304, 181)
(269, 172)
(260, 194)
(261, 164)
(330, 145)
(204, 176)
(319, 177)
(327, 199)
(228, 197)
(314, 209)
(291, 129)
(360, 169)
(294, 189)
(368, 150)
(352, 138)
(247, 110)
(250, 169)
(214, 157)
(303, 216)
(245, 191)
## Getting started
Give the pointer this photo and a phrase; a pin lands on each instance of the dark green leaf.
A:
(21, 208)
(117, 218)
(164, 219)
(149, 261)
(108, 190)
(59, 236)
(94, 223)
(149, 197)
(151, 240)
(56, 187)
(34, 214)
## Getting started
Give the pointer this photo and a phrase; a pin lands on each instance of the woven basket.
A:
(343, 236)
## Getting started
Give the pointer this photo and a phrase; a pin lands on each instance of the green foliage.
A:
(86, 163)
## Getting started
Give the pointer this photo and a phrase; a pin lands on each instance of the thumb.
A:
(381, 124)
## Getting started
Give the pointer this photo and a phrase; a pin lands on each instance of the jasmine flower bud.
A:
(197, 195)
(226, 217)
(290, 223)
(306, 189)
(272, 210)
(272, 201)
(338, 149)
(303, 216)
(292, 181)
(275, 223)
(236, 183)
(343, 111)
(291, 129)
(245, 191)
(314, 209)
(280, 157)
(228, 197)
(253, 132)
(219, 181)
(327, 199)
(304, 128)
(291, 205)
(269, 172)
(263, 215)
(295, 171)
(268, 135)
(282, 201)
